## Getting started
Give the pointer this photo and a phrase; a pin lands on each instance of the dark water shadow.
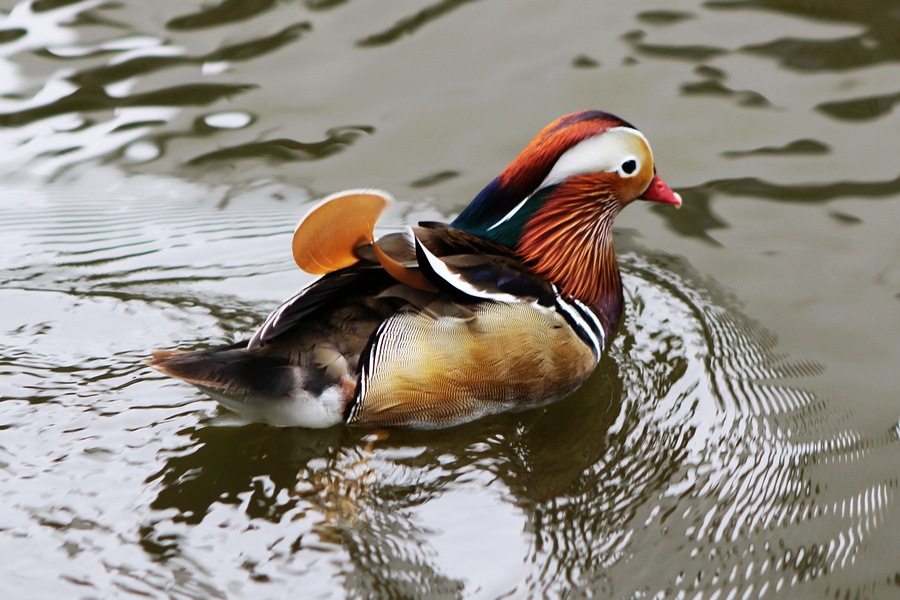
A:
(225, 461)
(146, 65)
(95, 99)
(697, 218)
(878, 43)
(411, 24)
(287, 150)
(226, 11)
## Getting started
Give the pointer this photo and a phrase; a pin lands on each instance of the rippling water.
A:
(740, 440)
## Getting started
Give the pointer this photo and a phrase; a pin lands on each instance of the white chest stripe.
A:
(590, 314)
(585, 319)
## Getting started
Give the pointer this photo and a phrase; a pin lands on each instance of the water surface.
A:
(739, 440)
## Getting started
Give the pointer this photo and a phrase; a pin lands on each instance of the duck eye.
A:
(629, 166)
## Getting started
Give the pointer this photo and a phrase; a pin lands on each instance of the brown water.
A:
(740, 440)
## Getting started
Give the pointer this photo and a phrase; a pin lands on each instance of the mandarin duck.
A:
(508, 307)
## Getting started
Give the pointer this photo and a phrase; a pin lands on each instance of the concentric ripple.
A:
(694, 448)
(694, 444)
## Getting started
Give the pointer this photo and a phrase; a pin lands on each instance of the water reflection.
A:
(409, 25)
(153, 55)
(88, 107)
(606, 482)
(695, 461)
(286, 150)
(98, 84)
(88, 99)
(876, 44)
(870, 107)
(227, 11)
(791, 148)
(698, 218)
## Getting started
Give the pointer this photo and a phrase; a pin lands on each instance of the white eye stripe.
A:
(598, 154)
(606, 152)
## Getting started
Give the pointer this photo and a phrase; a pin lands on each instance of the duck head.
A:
(554, 205)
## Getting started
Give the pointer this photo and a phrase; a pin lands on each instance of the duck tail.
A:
(230, 370)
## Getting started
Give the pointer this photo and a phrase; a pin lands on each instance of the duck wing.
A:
(461, 263)
(359, 279)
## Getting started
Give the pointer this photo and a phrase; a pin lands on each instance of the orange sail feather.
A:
(327, 238)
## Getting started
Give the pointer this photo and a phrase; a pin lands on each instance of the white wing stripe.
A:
(455, 280)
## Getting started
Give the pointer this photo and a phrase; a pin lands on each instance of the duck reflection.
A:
(566, 467)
